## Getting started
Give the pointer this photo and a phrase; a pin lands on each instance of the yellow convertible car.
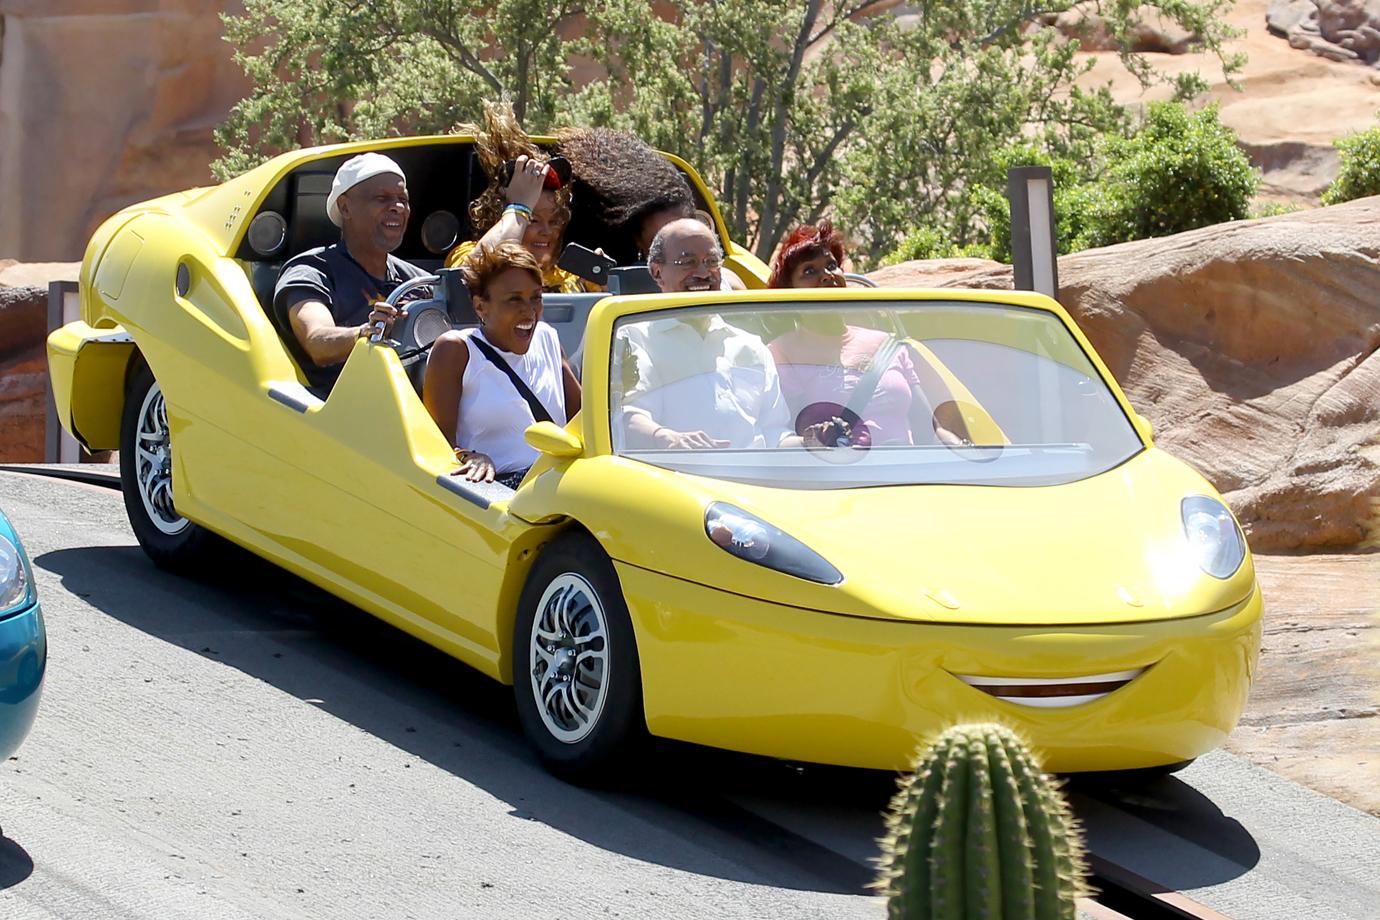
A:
(927, 506)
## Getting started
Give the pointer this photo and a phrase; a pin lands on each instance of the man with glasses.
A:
(700, 382)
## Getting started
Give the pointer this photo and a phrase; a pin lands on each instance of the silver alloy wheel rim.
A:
(568, 658)
(153, 464)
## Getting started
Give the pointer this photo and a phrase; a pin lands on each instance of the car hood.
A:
(1110, 549)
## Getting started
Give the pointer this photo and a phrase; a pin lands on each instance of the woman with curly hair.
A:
(824, 360)
(624, 191)
(485, 386)
(527, 209)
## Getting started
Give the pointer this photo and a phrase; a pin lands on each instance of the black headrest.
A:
(632, 279)
(457, 297)
(308, 225)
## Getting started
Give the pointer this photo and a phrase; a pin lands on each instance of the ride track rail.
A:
(105, 475)
(1119, 893)
(1123, 895)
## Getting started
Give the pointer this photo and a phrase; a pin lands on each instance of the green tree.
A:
(1359, 175)
(761, 95)
(325, 71)
(789, 108)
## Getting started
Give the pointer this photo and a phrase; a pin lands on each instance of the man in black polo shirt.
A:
(331, 296)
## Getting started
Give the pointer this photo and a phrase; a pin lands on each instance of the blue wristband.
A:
(520, 208)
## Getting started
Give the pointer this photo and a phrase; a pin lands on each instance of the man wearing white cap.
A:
(331, 296)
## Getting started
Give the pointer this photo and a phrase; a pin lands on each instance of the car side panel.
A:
(343, 493)
(357, 509)
(210, 349)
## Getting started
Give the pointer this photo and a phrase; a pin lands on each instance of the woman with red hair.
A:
(824, 360)
(812, 256)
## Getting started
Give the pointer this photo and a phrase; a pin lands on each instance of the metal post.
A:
(1034, 253)
(64, 306)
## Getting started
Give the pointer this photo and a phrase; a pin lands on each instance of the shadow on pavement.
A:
(1172, 806)
(15, 864)
(281, 630)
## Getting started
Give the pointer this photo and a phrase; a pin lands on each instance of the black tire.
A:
(171, 541)
(608, 743)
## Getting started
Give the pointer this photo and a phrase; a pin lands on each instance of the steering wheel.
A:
(417, 328)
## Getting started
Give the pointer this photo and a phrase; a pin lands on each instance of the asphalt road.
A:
(244, 746)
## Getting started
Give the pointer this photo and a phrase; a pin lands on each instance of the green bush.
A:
(929, 243)
(1273, 209)
(1180, 170)
(1177, 171)
(1360, 172)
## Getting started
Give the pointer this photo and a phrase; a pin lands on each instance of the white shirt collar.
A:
(676, 326)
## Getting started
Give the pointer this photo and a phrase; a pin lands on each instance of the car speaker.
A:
(267, 233)
(426, 325)
(440, 230)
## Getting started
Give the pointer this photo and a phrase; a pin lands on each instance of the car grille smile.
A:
(1051, 692)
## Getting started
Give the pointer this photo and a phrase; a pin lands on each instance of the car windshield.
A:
(830, 395)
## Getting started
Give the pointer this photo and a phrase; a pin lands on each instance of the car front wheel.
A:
(170, 540)
(576, 675)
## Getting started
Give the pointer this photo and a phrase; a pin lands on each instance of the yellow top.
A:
(555, 279)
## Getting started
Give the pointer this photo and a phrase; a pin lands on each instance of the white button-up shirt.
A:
(722, 381)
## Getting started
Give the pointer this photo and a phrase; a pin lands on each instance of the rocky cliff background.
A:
(104, 103)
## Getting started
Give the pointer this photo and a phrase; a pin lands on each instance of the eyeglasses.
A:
(713, 260)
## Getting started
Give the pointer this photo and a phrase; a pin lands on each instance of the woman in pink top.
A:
(822, 362)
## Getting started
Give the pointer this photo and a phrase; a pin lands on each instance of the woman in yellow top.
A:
(526, 211)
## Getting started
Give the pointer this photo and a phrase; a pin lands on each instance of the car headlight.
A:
(14, 580)
(1213, 537)
(749, 537)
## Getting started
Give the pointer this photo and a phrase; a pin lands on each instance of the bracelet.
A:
(520, 208)
(657, 430)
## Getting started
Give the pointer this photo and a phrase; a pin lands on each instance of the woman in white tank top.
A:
(471, 397)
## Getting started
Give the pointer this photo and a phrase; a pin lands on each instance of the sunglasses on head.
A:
(557, 173)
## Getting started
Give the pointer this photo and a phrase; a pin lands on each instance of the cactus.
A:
(978, 832)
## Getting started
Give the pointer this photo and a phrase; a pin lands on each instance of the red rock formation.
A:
(1251, 347)
(1340, 30)
(1150, 33)
(23, 373)
(106, 102)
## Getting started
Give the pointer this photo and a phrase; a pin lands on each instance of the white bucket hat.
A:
(354, 171)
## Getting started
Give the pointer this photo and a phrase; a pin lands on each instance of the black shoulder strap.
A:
(538, 410)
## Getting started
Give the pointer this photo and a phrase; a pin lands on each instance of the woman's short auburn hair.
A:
(485, 263)
(808, 241)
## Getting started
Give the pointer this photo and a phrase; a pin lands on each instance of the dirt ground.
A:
(1291, 106)
(1314, 713)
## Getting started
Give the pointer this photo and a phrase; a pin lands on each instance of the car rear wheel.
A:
(170, 540)
(576, 676)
